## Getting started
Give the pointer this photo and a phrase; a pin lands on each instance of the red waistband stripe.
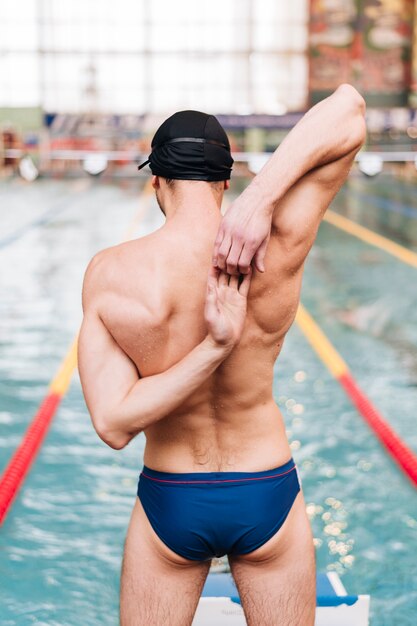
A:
(225, 480)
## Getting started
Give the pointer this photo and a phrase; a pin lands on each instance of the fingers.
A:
(240, 256)
(223, 279)
(245, 259)
(211, 310)
(223, 252)
(233, 258)
(213, 276)
(217, 245)
(217, 278)
(259, 258)
(211, 307)
(244, 285)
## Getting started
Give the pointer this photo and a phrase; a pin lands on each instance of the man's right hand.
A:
(225, 309)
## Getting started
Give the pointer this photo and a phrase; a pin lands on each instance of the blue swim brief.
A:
(203, 515)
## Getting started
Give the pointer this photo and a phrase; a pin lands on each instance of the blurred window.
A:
(233, 56)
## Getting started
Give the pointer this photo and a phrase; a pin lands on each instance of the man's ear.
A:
(155, 182)
(226, 185)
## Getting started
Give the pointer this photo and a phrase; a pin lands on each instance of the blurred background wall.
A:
(136, 56)
(102, 74)
(364, 42)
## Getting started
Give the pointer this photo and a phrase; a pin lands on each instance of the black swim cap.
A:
(190, 145)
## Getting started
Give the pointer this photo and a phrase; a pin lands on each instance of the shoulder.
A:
(96, 276)
(109, 270)
(103, 271)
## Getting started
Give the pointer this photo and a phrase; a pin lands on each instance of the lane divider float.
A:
(369, 236)
(23, 457)
(398, 450)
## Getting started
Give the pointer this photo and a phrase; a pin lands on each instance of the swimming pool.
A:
(61, 545)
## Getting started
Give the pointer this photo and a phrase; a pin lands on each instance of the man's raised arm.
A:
(329, 131)
(122, 404)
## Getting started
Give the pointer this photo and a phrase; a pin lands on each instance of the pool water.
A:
(61, 545)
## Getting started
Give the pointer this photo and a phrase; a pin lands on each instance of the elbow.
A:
(357, 135)
(354, 108)
(117, 442)
(352, 98)
(113, 438)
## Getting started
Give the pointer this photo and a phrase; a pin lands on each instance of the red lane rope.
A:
(23, 457)
(405, 457)
(18, 466)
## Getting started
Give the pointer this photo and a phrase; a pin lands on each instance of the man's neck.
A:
(196, 205)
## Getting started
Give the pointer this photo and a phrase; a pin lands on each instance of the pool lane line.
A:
(398, 450)
(23, 457)
(386, 204)
(45, 218)
(369, 236)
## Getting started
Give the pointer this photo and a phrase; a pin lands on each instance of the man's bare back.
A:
(146, 320)
(154, 309)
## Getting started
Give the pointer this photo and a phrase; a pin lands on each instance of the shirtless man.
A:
(188, 360)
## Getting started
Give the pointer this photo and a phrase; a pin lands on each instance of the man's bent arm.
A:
(120, 403)
(330, 130)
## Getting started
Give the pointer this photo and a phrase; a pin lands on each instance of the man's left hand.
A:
(242, 237)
